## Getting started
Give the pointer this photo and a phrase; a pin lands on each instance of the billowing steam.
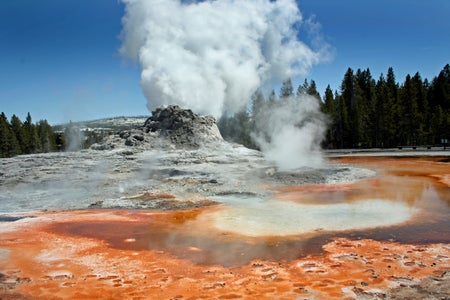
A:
(289, 132)
(211, 56)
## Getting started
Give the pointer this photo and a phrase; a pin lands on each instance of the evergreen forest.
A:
(365, 112)
(17, 137)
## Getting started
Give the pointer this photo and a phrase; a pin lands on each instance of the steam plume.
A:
(211, 56)
(289, 132)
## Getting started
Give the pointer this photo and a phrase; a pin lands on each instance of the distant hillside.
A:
(107, 124)
(81, 135)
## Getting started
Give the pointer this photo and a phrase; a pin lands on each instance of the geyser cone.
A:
(183, 127)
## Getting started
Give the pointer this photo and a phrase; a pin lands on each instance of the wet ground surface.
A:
(407, 202)
(122, 177)
(208, 251)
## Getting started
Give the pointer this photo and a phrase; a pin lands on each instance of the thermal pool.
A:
(385, 236)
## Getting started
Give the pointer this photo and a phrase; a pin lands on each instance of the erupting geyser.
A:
(211, 56)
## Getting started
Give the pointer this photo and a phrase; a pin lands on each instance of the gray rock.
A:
(168, 127)
(183, 127)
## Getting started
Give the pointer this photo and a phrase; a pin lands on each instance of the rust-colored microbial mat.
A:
(120, 254)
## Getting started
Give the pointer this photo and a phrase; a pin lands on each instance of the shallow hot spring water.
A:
(407, 201)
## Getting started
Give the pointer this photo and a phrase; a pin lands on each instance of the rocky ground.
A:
(175, 152)
(174, 165)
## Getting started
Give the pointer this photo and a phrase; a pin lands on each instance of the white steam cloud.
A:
(211, 56)
(289, 132)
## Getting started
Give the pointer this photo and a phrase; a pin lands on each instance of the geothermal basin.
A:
(386, 235)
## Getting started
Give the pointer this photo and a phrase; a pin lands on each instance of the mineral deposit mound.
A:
(169, 126)
(182, 126)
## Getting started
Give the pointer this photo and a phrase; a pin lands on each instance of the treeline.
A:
(383, 113)
(365, 112)
(17, 137)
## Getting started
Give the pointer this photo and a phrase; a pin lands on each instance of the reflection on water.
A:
(406, 202)
(253, 217)
(194, 244)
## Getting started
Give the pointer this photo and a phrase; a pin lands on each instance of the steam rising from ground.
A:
(211, 56)
(289, 132)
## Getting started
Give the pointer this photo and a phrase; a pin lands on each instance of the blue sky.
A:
(59, 58)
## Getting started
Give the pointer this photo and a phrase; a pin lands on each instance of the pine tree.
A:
(31, 141)
(384, 121)
(312, 90)
(243, 129)
(46, 136)
(287, 90)
(258, 103)
(391, 83)
(328, 102)
(237, 128)
(394, 110)
(365, 94)
(4, 136)
(342, 122)
(440, 89)
(8, 142)
(408, 123)
(439, 103)
(303, 88)
(17, 128)
(329, 109)
(419, 93)
(439, 124)
(347, 109)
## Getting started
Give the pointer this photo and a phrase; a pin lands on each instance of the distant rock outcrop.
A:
(169, 126)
